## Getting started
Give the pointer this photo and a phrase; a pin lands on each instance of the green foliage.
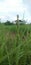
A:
(8, 23)
(12, 53)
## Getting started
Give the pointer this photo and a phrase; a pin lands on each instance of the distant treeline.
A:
(8, 23)
(12, 23)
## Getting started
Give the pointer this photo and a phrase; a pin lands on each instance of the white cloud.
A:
(27, 5)
(10, 8)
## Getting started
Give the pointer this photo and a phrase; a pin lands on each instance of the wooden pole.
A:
(17, 30)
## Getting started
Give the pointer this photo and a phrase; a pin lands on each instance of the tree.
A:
(8, 23)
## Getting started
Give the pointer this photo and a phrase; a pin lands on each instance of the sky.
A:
(10, 8)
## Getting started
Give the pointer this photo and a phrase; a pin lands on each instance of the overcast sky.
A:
(10, 8)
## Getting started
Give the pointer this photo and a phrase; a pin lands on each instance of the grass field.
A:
(15, 48)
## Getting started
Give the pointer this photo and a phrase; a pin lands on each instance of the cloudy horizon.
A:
(10, 8)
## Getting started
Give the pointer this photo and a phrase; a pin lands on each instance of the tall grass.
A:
(15, 47)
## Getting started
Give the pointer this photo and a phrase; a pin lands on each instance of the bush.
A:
(8, 23)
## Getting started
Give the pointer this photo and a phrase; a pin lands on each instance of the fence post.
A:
(17, 30)
(17, 24)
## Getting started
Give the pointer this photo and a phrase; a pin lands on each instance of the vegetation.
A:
(12, 23)
(13, 50)
(8, 23)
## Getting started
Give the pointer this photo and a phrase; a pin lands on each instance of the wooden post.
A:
(17, 30)
(17, 23)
